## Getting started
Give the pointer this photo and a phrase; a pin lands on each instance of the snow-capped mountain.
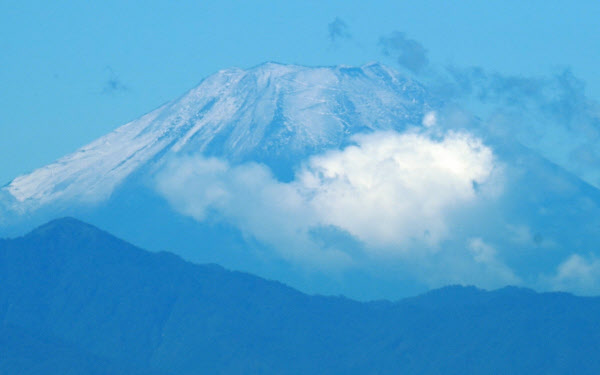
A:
(351, 180)
(272, 113)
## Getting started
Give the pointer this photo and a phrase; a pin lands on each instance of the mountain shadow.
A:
(76, 300)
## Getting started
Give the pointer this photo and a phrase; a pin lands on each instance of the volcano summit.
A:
(351, 180)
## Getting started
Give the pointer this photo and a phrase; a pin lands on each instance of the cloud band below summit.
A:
(392, 191)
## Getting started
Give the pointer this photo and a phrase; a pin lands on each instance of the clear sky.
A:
(71, 71)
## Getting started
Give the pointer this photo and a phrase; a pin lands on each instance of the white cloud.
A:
(393, 192)
(391, 189)
(249, 197)
(577, 274)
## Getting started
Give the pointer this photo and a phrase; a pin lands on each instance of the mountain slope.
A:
(272, 113)
(27, 352)
(335, 180)
(99, 295)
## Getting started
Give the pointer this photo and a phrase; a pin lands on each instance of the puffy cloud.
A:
(578, 274)
(409, 53)
(393, 192)
(249, 197)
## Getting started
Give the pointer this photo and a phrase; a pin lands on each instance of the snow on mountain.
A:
(297, 179)
(269, 113)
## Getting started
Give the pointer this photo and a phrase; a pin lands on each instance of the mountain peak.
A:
(274, 113)
(63, 224)
(65, 231)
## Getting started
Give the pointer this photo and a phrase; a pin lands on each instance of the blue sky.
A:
(72, 71)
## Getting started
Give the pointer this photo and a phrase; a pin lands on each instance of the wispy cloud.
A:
(487, 256)
(552, 115)
(408, 53)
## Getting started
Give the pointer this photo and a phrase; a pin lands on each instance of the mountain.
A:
(334, 180)
(272, 113)
(74, 299)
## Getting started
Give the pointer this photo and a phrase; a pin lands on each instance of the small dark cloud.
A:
(338, 29)
(113, 84)
(409, 53)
